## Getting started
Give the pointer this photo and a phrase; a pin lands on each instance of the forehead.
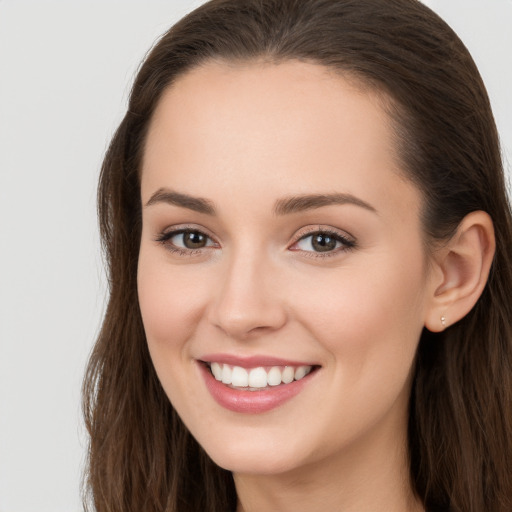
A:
(292, 126)
(291, 98)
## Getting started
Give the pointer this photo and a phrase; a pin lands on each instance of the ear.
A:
(461, 270)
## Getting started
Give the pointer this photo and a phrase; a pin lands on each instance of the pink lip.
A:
(252, 361)
(252, 402)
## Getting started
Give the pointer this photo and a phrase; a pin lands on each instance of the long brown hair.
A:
(141, 457)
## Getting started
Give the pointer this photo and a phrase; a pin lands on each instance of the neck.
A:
(373, 474)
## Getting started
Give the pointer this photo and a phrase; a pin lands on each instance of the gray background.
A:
(65, 71)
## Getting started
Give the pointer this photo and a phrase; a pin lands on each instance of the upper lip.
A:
(251, 361)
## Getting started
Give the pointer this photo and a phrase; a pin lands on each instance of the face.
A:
(281, 251)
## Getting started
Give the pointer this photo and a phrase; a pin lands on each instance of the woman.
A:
(306, 225)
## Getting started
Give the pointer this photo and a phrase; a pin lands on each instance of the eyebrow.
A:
(197, 204)
(284, 206)
(296, 204)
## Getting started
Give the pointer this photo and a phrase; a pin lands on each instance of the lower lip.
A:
(252, 402)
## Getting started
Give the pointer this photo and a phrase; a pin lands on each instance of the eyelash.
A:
(347, 244)
(165, 237)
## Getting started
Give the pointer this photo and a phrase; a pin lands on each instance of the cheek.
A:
(369, 317)
(171, 303)
(369, 322)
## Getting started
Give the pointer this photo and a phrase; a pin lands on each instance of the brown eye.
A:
(194, 240)
(186, 240)
(322, 242)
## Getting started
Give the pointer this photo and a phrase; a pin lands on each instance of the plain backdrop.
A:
(65, 71)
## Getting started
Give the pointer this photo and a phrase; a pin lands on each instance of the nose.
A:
(249, 299)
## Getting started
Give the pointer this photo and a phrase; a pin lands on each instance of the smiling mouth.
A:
(259, 378)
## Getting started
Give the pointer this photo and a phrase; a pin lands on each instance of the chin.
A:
(256, 454)
(254, 463)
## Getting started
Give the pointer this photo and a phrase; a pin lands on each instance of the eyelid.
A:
(180, 228)
(165, 236)
(323, 228)
(347, 240)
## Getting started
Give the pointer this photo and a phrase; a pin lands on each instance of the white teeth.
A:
(274, 376)
(301, 372)
(217, 371)
(226, 374)
(239, 377)
(258, 378)
(288, 374)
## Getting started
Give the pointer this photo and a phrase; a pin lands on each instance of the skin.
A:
(243, 137)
